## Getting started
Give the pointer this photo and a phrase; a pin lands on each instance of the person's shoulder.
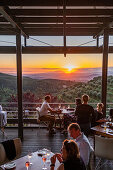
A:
(80, 106)
(84, 139)
(90, 107)
(45, 103)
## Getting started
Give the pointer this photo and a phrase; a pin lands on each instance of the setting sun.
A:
(69, 68)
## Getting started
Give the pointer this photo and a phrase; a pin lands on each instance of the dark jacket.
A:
(84, 113)
(74, 164)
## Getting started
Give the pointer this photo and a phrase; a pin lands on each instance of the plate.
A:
(10, 165)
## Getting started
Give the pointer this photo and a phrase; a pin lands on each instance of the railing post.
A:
(104, 68)
(19, 84)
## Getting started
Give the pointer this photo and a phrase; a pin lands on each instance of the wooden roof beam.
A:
(91, 3)
(55, 25)
(54, 50)
(81, 20)
(60, 19)
(59, 12)
(55, 31)
(5, 11)
(107, 26)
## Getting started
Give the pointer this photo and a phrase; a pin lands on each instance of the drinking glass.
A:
(68, 107)
(27, 164)
(48, 152)
(105, 127)
(44, 157)
(59, 106)
(29, 157)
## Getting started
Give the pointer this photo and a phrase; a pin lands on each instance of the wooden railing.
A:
(30, 113)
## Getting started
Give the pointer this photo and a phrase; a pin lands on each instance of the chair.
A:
(90, 165)
(111, 113)
(38, 118)
(3, 157)
(103, 149)
(58, 120)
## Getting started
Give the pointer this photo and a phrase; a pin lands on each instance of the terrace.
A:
(52, 18)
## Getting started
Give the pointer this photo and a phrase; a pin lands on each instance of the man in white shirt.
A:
(82, 141)
(44, 113)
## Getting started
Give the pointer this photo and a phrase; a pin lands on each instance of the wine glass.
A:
(105, 126)
(29, 157)
(27, 164)
(44, 157)
(68, 107)
(59, 106)
(48, 152)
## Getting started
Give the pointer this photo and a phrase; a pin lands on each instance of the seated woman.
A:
(70, 118)
(98, 114)
(99, 111)
(69, 158)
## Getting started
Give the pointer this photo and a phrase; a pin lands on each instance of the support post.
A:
(19, 84)
(64, 25)
(97, 42)
(105, 68)
(24, 41)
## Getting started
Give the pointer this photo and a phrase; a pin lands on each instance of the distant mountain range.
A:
(64, 90)
(36, 86)
(81, 75)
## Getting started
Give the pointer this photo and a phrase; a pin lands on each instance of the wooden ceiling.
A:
(45, 17)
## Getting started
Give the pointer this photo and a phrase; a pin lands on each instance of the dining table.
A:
(103, 129)
(59, 116)
(36, 162)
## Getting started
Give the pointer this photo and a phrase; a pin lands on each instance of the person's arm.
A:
(52, 110)
(53, 160)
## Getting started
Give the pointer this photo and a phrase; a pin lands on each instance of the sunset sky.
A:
(40, 63)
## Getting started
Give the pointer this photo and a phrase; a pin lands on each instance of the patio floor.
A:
(38, 138)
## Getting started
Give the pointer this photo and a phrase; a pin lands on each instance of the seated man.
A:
(84, 113)
(82, 141)
(44, 113)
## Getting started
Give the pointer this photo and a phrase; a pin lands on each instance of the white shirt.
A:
(44, 108)
(1, 108)
(84, 147)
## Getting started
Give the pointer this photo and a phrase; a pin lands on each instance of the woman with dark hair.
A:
(69, 158)
(78, 101)
(98, 114)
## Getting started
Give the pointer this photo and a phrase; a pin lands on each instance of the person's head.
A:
(85, 98)
(74, 130)
(100, 107)
(48, 98)
(78, 101)
(70, 150)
